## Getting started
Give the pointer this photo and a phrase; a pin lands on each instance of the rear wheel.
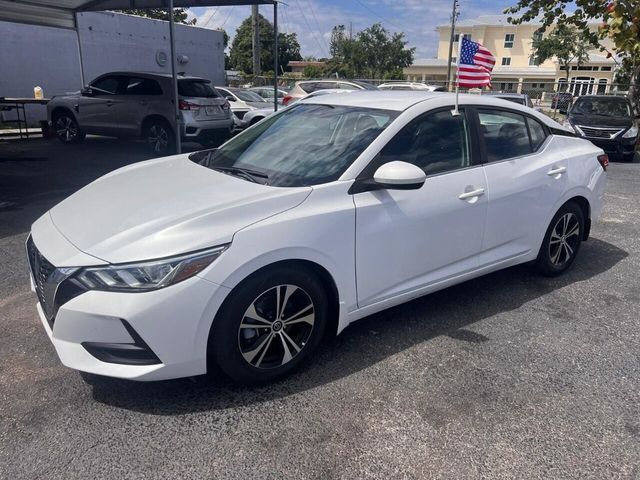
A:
(562, 241)
(67, 128)
(159, 137)
(271, 324)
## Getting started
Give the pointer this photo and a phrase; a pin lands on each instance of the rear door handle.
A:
(473, 193)
(556, 171)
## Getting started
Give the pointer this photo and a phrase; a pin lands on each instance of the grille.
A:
(599, 132)
(42, 271)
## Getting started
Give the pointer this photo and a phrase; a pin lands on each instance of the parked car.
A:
(258, 248)
(139, 104)
(254, 116)
(302, 89)
(562, 101)
(267, 93)
(519, 98)
(242, 101)
(411, 86)
(608, 122)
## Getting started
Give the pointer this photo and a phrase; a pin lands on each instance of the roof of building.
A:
(489, 20)
(429, 62)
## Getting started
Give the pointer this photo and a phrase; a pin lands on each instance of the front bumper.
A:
(153, 335)
(615, 146)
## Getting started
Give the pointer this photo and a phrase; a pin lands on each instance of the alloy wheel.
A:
(276, 326)
(158, 138)
(66, 128)
(565, 237)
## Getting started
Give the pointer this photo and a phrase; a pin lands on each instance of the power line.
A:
(228, 17)
(324, 40)
(304, 17)
(379, 16)
(211, 17)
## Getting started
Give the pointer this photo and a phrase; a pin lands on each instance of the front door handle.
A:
(556, 171)
(473, 193)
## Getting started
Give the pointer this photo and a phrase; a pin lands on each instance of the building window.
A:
(506, 87)
(532, 61)
(506, 61)
(537, 36)
(602, 86)
(454, 59)
(605, 69)
(456, 37)
(508, 40)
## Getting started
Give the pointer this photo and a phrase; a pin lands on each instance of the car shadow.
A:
(367, 341)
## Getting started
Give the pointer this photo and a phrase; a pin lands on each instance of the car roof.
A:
(400, 100)
(152, 74)
(506, 94)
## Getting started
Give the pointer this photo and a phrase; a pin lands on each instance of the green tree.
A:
(620, 22)
(241, 47)
(566, 44)
(313, 71)
(180, 15)
(373, 53)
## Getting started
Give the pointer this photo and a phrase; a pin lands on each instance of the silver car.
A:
(137, 104)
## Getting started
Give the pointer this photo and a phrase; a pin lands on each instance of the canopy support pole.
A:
(174, 78)
(275, 56)
(75, 18)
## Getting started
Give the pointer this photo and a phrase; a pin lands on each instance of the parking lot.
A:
(507, 376)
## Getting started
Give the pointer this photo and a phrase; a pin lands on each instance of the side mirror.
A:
(230, 98)
(86, 91)
(399, 176)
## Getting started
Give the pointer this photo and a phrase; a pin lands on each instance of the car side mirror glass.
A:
(86, 91)
(230, 98)
(399, 176)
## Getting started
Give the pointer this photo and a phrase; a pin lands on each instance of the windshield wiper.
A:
(246, 173)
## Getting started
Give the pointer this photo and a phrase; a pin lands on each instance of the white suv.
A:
(138, 104)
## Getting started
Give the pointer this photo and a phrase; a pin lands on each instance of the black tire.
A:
(258, 355)
(159, 137)
(66, 128)
(562, 241)
(255, 120)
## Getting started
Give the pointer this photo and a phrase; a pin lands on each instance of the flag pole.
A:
(455, 111)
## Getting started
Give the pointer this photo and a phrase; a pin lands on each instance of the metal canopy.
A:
(62, 14)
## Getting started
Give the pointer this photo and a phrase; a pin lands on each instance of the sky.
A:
(313, 20)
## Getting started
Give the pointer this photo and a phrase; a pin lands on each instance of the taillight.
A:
(287, 99)
(604, 161)
(226, 105)
(184, 105)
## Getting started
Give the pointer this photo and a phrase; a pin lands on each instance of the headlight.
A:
(631, 133)
(145, 276)
(568, 125)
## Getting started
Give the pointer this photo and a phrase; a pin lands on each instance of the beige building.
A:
(515, 70)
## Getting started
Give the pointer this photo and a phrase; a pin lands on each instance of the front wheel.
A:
(270, 325)
(562, 241)
(67, 128)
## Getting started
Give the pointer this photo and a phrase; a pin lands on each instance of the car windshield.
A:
(247, 96)
(607, 107)
(196, 88)
(304, 145)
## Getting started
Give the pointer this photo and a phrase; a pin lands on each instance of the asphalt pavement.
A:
(507, 376)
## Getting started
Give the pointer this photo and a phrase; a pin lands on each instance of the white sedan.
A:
(326, 212)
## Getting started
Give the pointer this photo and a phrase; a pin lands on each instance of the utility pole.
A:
(255, 39)
(350, 30)
(454, 16)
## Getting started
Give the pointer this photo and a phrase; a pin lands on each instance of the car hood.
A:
(165, 207)
(599, 120)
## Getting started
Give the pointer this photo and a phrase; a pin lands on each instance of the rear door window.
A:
(196, 89)
(142, 86)
(537, 132)
(504, 133)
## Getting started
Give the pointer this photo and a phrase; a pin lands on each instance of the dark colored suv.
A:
(607, 121)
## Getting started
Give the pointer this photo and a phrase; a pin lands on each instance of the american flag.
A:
(474, 65)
